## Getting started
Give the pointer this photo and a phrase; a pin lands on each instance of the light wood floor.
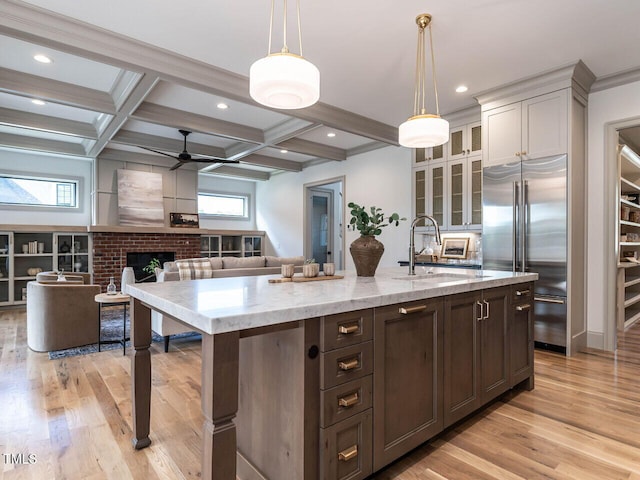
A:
(582, 421)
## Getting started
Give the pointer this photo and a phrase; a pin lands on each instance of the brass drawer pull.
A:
(523, 308)
(347, 329)
(349, 364)
(520, 293)
(348, 401)
(405, 311)
(348, 454)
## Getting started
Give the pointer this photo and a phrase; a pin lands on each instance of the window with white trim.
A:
(223, 205)
(38, 192)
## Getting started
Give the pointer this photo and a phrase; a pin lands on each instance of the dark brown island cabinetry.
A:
(342, 396)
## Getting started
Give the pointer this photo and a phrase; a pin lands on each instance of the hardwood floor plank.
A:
(580, 422)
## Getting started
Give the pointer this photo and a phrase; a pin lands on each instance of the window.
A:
(19, 190)
(222, 205)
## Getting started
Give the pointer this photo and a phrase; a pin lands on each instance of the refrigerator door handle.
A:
(514, 246)
(525, 222)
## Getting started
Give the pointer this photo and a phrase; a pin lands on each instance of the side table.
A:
(106, 300)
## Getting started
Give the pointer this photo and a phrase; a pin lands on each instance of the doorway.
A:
(324, 238)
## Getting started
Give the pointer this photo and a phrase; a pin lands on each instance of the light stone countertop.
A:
(220, 305)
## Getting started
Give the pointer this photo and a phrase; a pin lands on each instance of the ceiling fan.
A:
(185, 157)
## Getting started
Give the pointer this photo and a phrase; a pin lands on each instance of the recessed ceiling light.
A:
(38, 102)
(42, 58)
(331, 134)
(284, 151)
(222, 106)
(462, 89)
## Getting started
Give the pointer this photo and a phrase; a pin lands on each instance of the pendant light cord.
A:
(285, 48)
(420, 78)
(433, 70)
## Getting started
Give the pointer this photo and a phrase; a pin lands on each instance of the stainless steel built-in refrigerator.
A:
(525, 230)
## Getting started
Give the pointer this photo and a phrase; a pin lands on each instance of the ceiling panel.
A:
(342, 139)
(172, 133)
(18, 55)
(24, 104)
(40, 134)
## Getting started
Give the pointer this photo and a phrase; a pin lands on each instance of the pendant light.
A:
(283, 79)
(423, 130)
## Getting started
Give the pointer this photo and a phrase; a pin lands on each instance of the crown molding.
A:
(616, 80)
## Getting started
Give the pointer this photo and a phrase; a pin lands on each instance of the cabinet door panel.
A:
(461, 356)
(544, 125)
(408, 371)
(502, 134)
(494, 346)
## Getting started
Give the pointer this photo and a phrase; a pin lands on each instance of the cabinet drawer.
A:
(344, 329)
(346, 364)
(522, 292)
(344, 401)
(346, 449)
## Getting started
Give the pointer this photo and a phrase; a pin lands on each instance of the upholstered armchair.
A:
(61, 314)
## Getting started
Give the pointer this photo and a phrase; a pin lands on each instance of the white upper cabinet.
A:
(423, 155)
(464, 140)
(533, 128)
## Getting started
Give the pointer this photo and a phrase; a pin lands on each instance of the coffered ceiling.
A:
(126, 75)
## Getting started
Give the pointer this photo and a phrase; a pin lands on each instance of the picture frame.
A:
(454, 247)
(184, 220)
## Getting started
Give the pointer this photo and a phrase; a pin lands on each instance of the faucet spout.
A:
(412, 247)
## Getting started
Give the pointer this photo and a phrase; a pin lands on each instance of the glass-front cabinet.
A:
(429, 194)
(465, 194)
(6, 240)
(210, 245)
(72, 252)
(252, 246)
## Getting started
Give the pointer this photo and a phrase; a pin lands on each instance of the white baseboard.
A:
(595, 340)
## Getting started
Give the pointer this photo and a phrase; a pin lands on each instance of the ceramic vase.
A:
(366, 252)
(128, 278)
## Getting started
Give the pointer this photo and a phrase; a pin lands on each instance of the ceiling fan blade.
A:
(177, 165)
(213, 160)
(157, 151)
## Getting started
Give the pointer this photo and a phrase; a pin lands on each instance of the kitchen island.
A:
(336, 379)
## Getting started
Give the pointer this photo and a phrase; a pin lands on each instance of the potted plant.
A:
(366, 250)
(311, 268)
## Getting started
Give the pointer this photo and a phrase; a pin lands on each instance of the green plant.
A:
(372, 222)
(151, 267)
(309, 261)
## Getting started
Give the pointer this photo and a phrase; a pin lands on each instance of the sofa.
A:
(214, 267)
(61, 315)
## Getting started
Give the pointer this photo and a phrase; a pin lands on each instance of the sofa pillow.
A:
(216, 263)
(279, 261)
(242, 262)
(170, 267)
(194, 268)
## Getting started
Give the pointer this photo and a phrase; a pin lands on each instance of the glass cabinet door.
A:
(456, 194)
(476, 192)
(420, 191)
(437, 194)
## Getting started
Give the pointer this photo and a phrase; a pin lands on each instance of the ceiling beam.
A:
(54, 91)
(126, 137)
(239, 172)
(137, 95)
(272, 162)
(314, 149)
(158, 114)
(35, 24)
(34, 121)
(42, 145)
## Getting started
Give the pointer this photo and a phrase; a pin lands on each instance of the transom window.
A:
(42, 192)
(223, 205)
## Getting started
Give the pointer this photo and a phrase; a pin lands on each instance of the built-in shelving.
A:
(628, 238)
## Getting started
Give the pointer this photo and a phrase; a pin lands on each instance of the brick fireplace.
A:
(110, 250)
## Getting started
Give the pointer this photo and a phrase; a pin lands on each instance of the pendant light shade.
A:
(284, 80)
(423, 130)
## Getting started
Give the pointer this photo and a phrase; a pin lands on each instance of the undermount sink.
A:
(441, 277)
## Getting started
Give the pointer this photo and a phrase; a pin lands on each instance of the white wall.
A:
(52, 166)
(605, 107)
(381, 178)
(214, 184)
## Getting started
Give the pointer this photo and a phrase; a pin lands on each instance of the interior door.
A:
(320, 215)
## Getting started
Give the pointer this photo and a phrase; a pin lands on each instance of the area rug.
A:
(111, 329)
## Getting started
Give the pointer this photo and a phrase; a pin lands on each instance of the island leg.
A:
(220, 360)
(141, 372)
